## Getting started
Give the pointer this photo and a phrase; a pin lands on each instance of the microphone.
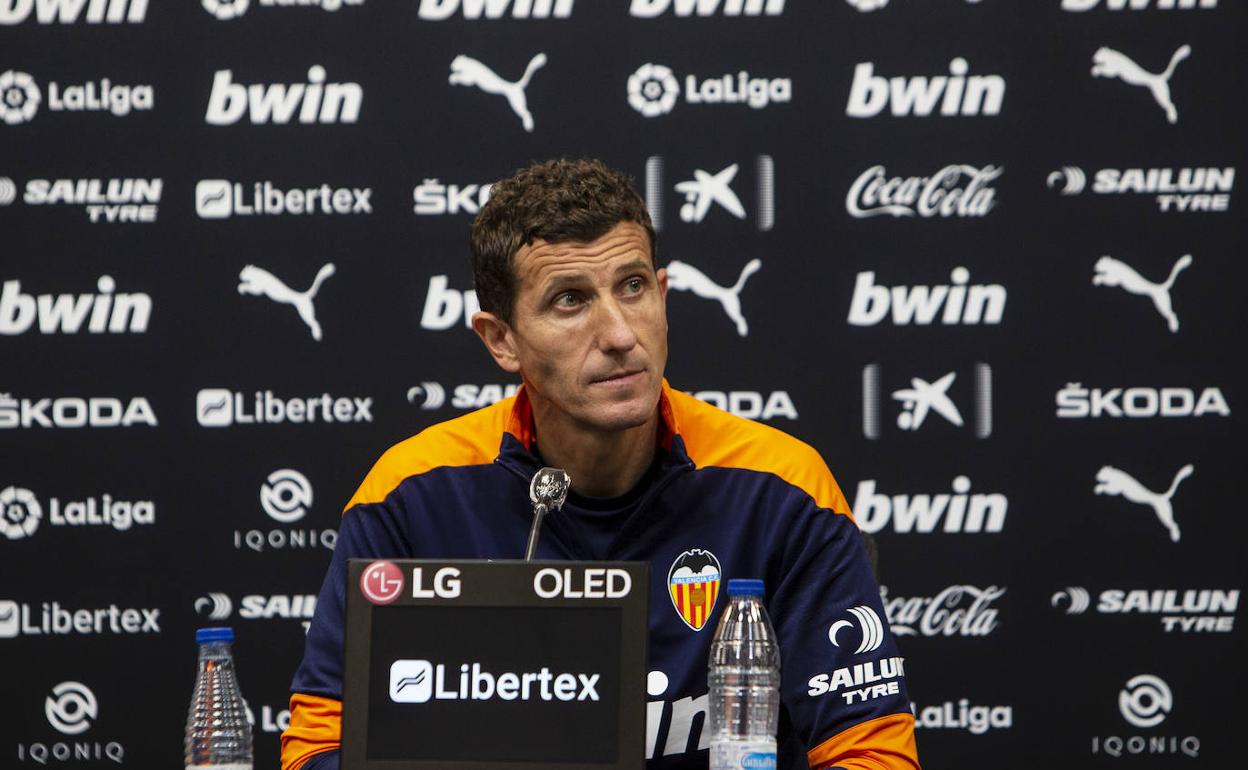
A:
(547, 491)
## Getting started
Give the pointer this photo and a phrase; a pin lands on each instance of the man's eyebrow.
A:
(633, 266)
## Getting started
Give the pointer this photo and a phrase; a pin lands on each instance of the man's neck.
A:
(601, 464)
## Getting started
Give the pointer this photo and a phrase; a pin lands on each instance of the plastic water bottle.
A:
(218, 735)
(745, 683)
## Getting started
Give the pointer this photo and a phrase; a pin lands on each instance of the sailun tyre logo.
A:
(1071, 179)
(653, 90)
(20, 513)
(71, 707)
(434, 395)
(8, 191)
(1078, 599)
(286, 496)
(1145, 701)
(19, 97)
(226, 9)
(214, 606)
(868, 623)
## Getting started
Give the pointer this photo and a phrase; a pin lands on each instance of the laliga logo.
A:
(20, 513)
(71, 707)
(286, 496)
(225, 9)
(1145, 701)
(870, 625)
(652, 90)
(19, 97)
(381, 582)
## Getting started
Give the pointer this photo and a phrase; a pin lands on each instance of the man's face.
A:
(589, 329)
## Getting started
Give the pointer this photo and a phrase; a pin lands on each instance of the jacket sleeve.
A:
(315, 734)
(843, 682)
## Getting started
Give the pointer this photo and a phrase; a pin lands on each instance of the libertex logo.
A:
(316, 101)
(420, 681)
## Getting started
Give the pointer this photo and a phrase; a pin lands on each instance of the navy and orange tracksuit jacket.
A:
(731, 498)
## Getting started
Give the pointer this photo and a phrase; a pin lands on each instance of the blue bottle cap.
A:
(204, 635)
(745, 587)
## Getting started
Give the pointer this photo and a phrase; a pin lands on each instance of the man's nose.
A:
(614, 328)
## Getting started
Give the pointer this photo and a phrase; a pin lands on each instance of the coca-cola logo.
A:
(957, 190)
(956, 611)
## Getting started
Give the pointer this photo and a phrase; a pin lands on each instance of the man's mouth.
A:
(618, 378)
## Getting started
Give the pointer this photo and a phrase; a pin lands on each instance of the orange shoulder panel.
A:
(878, 744)
(315, 727)
(472, 439)
(718, 439)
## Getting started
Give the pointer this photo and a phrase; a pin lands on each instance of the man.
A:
(565, 270)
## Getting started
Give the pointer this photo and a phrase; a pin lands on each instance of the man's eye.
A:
(567, 299)
(634, 285)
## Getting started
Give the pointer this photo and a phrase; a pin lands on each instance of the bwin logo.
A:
(868, 622)
(315, 101)
(955, 94)
(961, 511)
(260, 282)
(1072, 179)
(440, 10)
(962, 304)
(70, 11)
(107, 311)
(1108, 63)
(1111, 272)
(1078, 599)
(445, 306)
(649, 9)
(434, 395)
(681, 276)
(214, 606)
(1111, 481)
(466, 71)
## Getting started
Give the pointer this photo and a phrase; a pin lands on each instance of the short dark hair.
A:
(557, 201)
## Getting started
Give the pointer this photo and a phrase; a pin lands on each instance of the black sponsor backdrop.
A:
(1061, 674)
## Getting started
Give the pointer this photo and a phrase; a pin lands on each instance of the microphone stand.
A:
(547, 491)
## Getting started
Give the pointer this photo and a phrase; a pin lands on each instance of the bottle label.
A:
(743, 755)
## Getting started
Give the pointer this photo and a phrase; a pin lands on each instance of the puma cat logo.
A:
(682, 276)
(466, 71)
(1108, 63)
(1111, 272)
(258, 281)
(1111, 481)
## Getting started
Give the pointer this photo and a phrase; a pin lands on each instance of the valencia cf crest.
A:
(693, 582)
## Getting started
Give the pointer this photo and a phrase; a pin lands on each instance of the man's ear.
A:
(662, 276)
(498, 339)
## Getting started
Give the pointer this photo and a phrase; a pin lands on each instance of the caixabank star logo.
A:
(693, 582)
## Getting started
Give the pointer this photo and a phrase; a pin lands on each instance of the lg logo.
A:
(286, 496)
(381, 583)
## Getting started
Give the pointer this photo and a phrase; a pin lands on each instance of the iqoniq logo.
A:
(286, 496)
(1108, 63)
(466, 71)
(71, 708)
